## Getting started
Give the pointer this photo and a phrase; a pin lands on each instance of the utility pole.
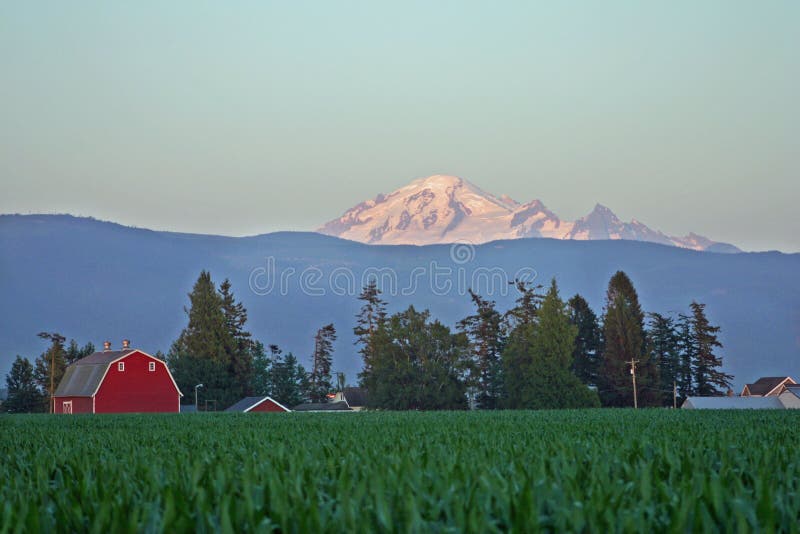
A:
(195, 396)
(53, 379)
(674, 394)
(633, 377)
(57, 343)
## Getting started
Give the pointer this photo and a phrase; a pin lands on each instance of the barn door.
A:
(66, 407)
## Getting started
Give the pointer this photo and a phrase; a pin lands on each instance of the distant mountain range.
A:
(94, 280)
(449, 209)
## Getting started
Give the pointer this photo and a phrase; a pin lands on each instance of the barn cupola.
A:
(106, 346)
(126, 344)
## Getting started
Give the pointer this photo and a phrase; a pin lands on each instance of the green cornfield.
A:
(551, 471)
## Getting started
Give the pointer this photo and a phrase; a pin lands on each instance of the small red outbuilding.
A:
(258, 404)
(123, 381)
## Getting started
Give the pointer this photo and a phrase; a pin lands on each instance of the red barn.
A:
(123, 381)
(258, 404)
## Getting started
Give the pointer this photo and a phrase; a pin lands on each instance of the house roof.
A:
(355, 396)
(766, 384)
(733, 403)
(248, 403)
(340, 406)
(83, 377)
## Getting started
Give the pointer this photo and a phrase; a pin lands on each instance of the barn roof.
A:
(103, 357)
(340, 406)
(81, 380)
(766, 384)
(83, 377)
(733, 403)
(355, 396)
(249, 403)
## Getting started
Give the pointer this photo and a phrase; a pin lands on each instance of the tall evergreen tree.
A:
(24, 395)
(371, 316)
(50, 366)
(240, 347)
(486, 334)
(543, 352)
(289, 381)
(524, 312)
(586, 353)
(263, 368)
(687, 349)
(664, 349)
(624, 346)
(321, 362)
(201, 354)
(708, 377)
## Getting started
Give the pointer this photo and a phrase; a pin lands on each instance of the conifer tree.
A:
(524, 312)
(371, 316)
(664, 349)
(24, 395)
(544, 352)
(201, 354)
(239, 347)
(586, 353)
(289, 380)
(74, 352)
(624, 346)
(321, 362)
(687, 349)
(263, 368)
(708, 377)
(486, 334)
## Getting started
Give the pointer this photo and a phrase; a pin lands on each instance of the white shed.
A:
(733, 403)
(791, 397)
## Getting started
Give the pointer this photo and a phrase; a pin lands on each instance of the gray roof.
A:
(83, 377)
(733, 403)
(249, 402)
(355, 396)
(340, 406)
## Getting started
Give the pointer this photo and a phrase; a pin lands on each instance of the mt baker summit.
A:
(448, 209)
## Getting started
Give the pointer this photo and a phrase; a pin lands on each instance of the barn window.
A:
(151, 366)
(121, 366)
(66, 407)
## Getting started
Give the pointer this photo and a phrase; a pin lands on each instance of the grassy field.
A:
(608, 470)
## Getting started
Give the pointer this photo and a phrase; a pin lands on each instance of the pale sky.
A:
(247, 117)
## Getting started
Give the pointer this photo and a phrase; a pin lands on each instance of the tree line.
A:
(30, 385)
(216, 350)
(543, 352)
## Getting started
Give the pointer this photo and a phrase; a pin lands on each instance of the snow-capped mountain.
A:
(449, 209)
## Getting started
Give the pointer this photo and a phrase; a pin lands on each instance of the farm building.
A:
(258, 404)
(121, 381)
(733, 403)
(340, 406)
(356, 398)
(790, 398)
(768, 386)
